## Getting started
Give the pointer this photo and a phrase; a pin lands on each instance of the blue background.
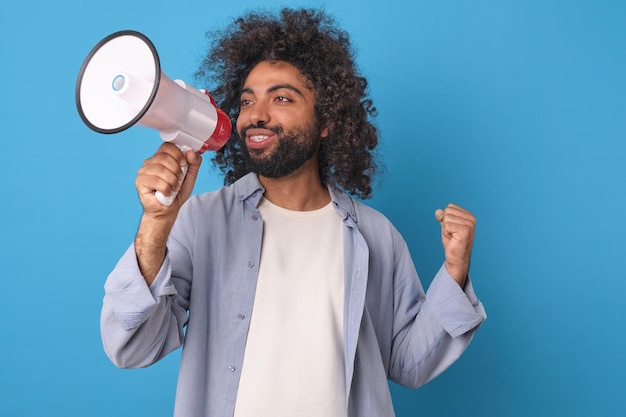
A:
(513, 109)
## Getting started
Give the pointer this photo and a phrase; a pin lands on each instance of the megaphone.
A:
(121, 84)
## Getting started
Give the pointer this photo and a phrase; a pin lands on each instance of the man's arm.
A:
(436, 328)
(162, 172)
(145, 307)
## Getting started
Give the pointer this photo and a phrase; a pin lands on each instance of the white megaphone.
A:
(121, 84)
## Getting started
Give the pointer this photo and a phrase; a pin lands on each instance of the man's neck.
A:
(300, 191)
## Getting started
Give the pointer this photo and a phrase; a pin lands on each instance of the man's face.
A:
(277, 120)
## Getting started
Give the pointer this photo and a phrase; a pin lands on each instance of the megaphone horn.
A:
(121, 84)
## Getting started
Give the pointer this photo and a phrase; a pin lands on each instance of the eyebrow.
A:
(276, 88)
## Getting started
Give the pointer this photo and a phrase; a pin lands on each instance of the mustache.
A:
(274, 129)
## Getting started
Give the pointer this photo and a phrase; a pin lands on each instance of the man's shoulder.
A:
(368, 211)
(381, 235)
(365, 216)
(219, 196)
(227, 195)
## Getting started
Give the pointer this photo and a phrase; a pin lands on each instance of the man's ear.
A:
(325, 132)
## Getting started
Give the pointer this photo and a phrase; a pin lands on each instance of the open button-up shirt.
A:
(203, 295)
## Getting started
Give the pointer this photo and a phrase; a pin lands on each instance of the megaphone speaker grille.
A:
(118, 82)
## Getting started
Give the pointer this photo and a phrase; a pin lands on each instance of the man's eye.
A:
(245, 102)
(282, 99)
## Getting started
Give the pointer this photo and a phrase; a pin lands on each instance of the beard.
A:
(292, 151)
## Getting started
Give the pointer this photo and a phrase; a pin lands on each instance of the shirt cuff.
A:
(457, 309)
(128, 294)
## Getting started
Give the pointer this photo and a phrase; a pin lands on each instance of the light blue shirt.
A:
(392, 329)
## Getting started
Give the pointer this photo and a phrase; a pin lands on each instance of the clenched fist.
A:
(457, 236)
(162, 172)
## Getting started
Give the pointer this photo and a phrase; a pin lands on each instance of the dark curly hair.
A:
(311, 41)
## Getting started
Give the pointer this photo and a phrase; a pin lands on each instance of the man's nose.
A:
(259, 115)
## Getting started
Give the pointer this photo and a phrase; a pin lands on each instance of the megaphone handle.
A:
(167, 201)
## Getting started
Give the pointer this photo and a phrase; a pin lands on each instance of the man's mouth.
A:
(257, 138)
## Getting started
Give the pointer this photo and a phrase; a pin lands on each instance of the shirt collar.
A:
(249, 188)
(343, 203)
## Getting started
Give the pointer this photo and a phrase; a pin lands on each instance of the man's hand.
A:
(457, 236)
(162, 172)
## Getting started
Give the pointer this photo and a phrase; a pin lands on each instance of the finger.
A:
(439, 215)
(457, 220)
(194, 161)
(167, 171)
(447, 215)
(148, 184)
(459, 212)
(455, 213)
(457, 231)
(171, 158)
(173, 150)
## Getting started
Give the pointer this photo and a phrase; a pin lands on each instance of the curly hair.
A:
(310, 41)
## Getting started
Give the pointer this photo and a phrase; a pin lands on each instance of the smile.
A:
(258, 138)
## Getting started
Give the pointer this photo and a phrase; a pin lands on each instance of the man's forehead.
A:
(273, 75)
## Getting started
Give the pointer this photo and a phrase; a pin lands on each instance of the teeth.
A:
(258, 138)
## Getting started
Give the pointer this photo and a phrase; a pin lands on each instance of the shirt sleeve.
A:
(438, 327)
(140, 324)
(457, 309)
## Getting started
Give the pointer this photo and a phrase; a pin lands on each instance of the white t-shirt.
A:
(294, 359)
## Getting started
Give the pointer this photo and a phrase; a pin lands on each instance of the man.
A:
(289, 297)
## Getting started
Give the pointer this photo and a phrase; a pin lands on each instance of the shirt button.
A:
(254, 217)
(241, 316)
(231, 368)
(250, 264)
